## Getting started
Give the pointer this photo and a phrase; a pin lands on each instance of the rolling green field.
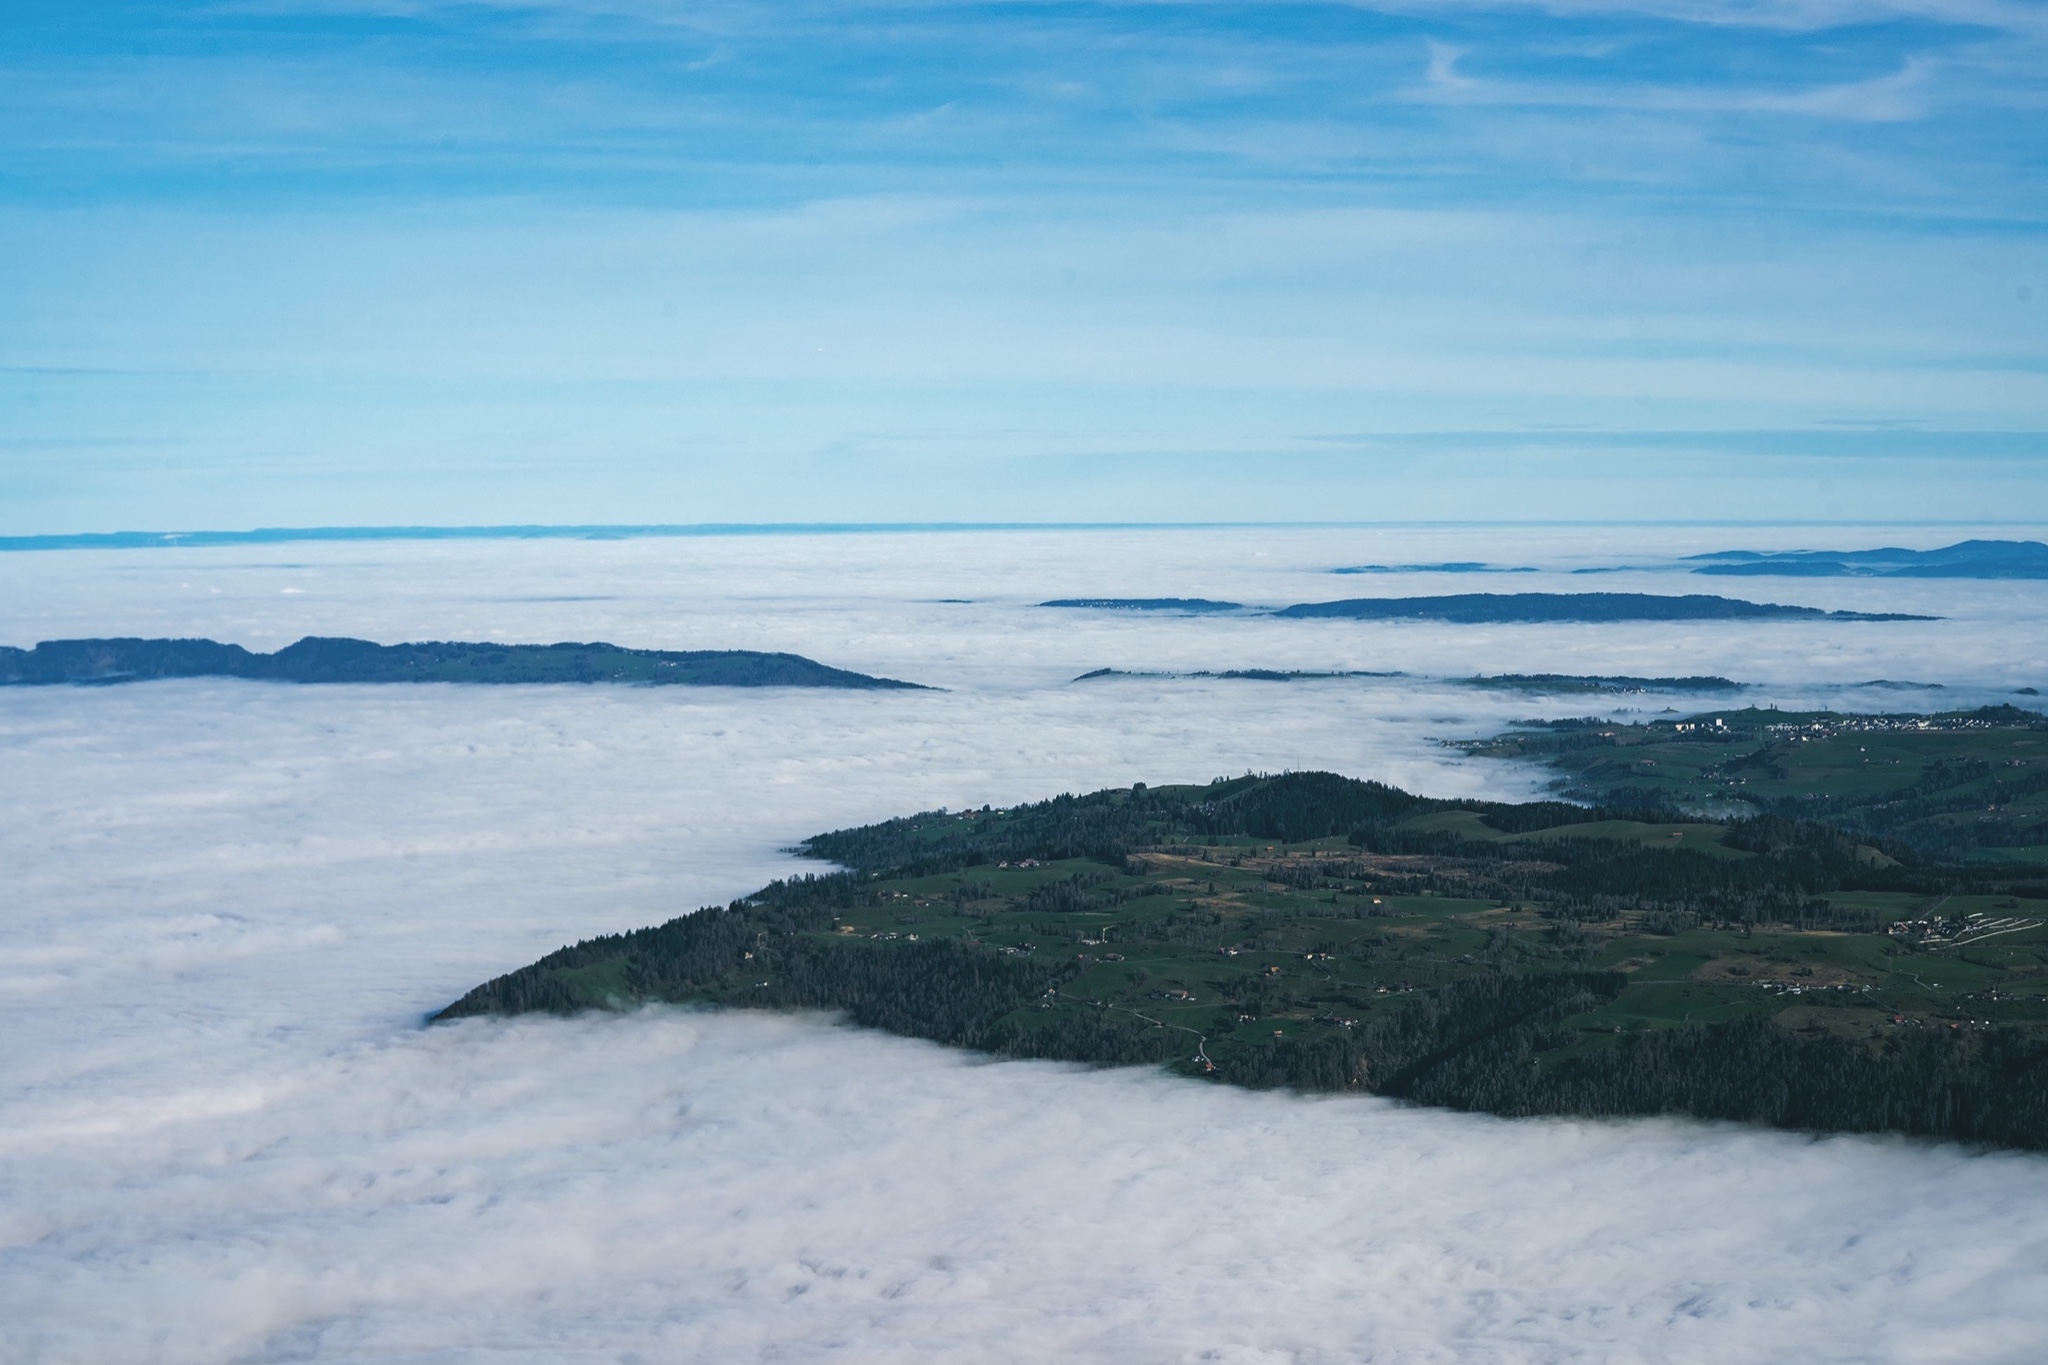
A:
(1248, 939)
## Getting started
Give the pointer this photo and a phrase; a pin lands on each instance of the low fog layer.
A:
(676, 1187)
(872, 602)
(223, 1133)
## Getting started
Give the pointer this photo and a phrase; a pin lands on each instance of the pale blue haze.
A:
(320, 264)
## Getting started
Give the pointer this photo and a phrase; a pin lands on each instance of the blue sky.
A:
(305, 264)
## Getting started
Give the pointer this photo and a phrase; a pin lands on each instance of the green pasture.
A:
(1267, 955)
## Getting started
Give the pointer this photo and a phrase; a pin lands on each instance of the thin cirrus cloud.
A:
(1898, 95)
(718, 257)
(667, 105)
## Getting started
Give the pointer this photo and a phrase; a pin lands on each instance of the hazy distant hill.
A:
(1144, 603)
(1577, 682)
(1456, 566)
(323, 660)
(1559, 683)
(1482, 608)
(1966, 559)
(1242, 674)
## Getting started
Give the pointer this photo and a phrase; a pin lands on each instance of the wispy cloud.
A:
(465, 232)
(1443, 69)
(1893, 97)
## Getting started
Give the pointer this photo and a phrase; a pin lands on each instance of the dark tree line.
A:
(1480, 1045)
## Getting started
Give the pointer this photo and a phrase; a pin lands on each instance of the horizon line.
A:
(136, 540)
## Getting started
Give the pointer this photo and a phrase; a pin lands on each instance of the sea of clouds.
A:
(224, 1134)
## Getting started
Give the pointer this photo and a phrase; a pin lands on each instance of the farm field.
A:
(1245, 940)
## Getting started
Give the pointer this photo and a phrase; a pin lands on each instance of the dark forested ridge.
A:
(1490, 608)
(1182, 604)
(1313, 931)
(1964, 559)
(1558, 683)
(1240, 674)
(1486, 608)
(316, 659)
(1454, 566)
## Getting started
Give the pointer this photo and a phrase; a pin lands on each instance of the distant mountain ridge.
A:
(1241, 674)
(1965, 559)
(1517, 682)
(1455, 566)
(1486, 608)
(1194, 604)
(1493, 608)
(318, 659)
(284, 535)
(1578, 682)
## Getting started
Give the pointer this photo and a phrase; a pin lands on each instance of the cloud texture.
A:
(224, 1137)
(282, 263)
(874, 602)
(670, 1187)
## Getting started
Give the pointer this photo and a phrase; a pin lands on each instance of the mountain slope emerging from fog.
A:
(1488, 608)
(1959, 786)
(323, 660)
(1323, 933)
(1996, 559)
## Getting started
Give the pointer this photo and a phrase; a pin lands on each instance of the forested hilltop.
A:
(318, 659)
(1313, 931)
(1964, 559)
(1476, 608)
(1486, 608)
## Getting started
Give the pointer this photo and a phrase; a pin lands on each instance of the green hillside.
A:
(1312, 931)
(1965, 785)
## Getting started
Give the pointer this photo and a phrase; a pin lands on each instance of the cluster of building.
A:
(1804, 987)
(1955, 931)
(1832, 725)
